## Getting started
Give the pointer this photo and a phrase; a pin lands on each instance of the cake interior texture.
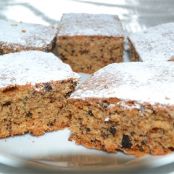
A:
(33, 102)
(34, 109)
(89, 53)
(118, 109)
(135, 129)
(89, 42)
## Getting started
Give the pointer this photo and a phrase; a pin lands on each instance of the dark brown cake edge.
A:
(134, 56)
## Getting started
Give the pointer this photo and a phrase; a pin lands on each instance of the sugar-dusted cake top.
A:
(26, 35)
(156, 43)
(90, 24)
(32, 67)
(136, 81)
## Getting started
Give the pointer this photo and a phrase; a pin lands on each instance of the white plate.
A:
(54, 152)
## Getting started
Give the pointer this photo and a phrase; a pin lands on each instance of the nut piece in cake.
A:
(127, 107)
(90, 41)
(34, 87)
(18, 36)
(154, 44)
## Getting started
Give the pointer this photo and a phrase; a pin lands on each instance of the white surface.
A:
(55, 150)
(26, 35)
(32, 67)
(136, 81)
(53, 143)
(90, 25)
(155, 44)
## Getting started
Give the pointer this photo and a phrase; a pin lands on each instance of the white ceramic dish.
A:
(54, 152)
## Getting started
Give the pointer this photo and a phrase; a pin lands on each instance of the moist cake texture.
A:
(34, 88)
(18, 36)
(126, 107)
(154, 44)
(90, 41)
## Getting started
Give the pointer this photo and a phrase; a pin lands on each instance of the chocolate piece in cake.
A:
(90, 41)
(154, 44)
(18, 36)
(34, 88)
(132, 106)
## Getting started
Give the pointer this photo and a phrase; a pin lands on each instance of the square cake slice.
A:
(126, 107)
(34, 88)
(18, 36)
(154, 44)
(90, 41)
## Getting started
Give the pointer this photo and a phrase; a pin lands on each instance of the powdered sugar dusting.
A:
(155, 44)
(32, 67)
(90, 24)
(136, 81)
(26, 35)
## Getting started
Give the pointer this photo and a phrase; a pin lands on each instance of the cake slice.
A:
(18, 36)
(154, 44)
(90, 41)
(34, 88)
(126, 107)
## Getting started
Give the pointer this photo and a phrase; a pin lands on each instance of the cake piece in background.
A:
(18, 36)
(126, 107)
(34, 88)
(154, 44)
(90, 41)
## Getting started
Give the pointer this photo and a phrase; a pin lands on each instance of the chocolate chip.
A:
(126, 142)
(84, 51)
(50, 124)
(171, 148)
(73, 51)
(144, 142)
(90, 113)
(47, 87)
(88, 129)
(29, 114)
(141, 148)
(7, 103)
(112, 130)
(104, 105)
(68, 94)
